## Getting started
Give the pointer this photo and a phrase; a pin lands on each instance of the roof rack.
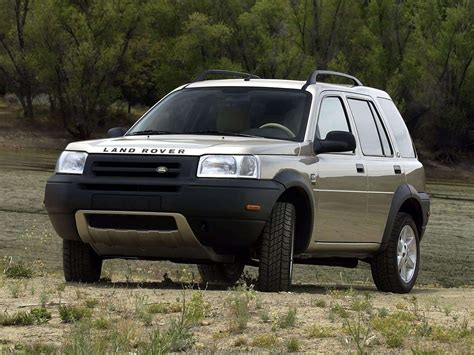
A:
(314, 76)
(206, 73)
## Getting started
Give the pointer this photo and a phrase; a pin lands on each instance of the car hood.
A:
(196, 145)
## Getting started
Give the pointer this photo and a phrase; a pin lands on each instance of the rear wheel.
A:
(396, 268)
(276, 250)
(80, 262)
(221, 274)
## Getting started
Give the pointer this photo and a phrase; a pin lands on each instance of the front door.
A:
(341, 181)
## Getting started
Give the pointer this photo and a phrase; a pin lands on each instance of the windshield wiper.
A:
(150, 132)
(222, 133)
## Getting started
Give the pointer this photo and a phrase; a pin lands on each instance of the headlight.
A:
(71, 162)
(228, 166)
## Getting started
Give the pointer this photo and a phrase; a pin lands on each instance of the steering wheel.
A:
(279, 126)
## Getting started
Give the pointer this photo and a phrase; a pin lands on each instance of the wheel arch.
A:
(406, 199)
(298, 191)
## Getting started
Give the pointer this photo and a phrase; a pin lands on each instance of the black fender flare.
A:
(291, 178)
(402, 194)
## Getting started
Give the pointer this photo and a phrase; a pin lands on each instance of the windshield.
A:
(262, 112)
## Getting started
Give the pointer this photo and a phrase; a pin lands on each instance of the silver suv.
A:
(248, 171)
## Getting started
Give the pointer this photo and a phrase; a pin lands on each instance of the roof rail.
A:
(206, 73)
(314, 76)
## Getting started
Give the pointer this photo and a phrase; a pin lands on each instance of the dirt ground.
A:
(323, 315)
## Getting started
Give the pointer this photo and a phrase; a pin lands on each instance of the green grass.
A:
(18, 271)
(25, 318)
(71, 314)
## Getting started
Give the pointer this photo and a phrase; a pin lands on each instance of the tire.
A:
(276, 249)
(221, 274)
(80, 262)
(387, 274)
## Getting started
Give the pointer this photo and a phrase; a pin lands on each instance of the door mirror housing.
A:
(116, 132)
(335, 142)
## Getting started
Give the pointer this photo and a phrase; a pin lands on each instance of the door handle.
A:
(397, 169)
(360, 168)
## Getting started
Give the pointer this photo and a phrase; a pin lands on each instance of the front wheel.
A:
(276, 249)
(80, 262)
(396, 268)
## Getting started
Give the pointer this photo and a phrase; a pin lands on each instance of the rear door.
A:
(384, 173)
(341, 182)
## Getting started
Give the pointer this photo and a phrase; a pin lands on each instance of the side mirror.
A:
(336, 141)
(116, 132)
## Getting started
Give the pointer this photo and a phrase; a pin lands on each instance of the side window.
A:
(399, 129)
(387, 148)
(332, 117)
(366, 127)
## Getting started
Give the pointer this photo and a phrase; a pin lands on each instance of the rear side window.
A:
(366, 127)
(399, 129)
(387, 148)
(332, 117)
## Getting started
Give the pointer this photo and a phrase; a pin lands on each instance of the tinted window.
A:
(387, 148)
(398, 127)
(271, 113)
(366, 128)
(332, 117)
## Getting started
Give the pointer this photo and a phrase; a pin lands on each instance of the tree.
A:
(82, 49)
(15, 52)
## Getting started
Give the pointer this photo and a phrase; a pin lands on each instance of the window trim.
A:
(368, 100)
(348, 120)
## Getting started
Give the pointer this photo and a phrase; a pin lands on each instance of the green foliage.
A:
(394, 327)
(293, 345)
(23, 318)
(71, 314)
(267, 341)
(40, 315)
(18, 270)
(87, 56)
(288, 319)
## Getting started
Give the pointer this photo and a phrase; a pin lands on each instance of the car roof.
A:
(287, 84)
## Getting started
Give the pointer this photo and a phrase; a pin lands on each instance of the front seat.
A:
(232, 119)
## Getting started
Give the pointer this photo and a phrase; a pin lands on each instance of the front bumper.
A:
(215, 209)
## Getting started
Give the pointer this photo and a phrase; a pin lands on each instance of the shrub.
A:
(394, 327)
(293, 345)
(320, 303)
(238, 305)
(40, 315)
(18, 271)
(338, 310)
(316, 331)
(267, 341)
(70, 314)
(101, 323)
(91, 303)
(20, 318)
(196, 309)
(177, 337)
(289, 318)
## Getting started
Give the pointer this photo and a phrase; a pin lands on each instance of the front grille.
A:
(132, 222)
(109, 168)
(136, 169)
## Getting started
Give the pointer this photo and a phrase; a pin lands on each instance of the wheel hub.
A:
(406, 253)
